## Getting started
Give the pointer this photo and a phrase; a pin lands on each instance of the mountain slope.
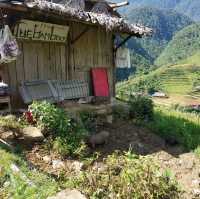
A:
(161, 4)
(184, 44)
(176, 80)
(164, 23)
(190, 8)
(186, 7)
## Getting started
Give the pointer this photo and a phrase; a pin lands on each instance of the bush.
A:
(66, 132)
(141, 107)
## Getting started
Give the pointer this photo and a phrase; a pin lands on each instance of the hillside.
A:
(161, 4)
(178, 81)
(164, 23)
(187, 7)
(184, 44)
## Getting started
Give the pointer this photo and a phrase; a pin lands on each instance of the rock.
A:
(8, 135)
(195, 182)
(100, 167)
(32, 134)
(77, 166)
(109, 119)
(16, 171)
(58, 164)
(99, 138)
(11, 117)
(68, 194)
(47, 159)
(196, 192)
(6, 184)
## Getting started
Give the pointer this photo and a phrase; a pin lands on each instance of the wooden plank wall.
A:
(42, 60)
(94, 49)
(37, 61)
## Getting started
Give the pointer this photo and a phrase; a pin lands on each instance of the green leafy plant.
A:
(66, 132)
(141, 107)
(89, 120)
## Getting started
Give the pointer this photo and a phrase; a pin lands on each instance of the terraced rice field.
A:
(177, 81)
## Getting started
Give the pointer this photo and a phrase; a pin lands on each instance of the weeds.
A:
(126, 176)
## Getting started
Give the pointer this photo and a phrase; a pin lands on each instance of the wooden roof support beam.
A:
(123, 42)
(80, 35)
(13, 7)
(118, 5)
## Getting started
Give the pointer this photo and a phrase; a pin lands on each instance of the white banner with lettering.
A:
(35, 30)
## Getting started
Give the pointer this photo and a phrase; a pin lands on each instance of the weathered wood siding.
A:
(43, 60)
(93, 49)
(38, 60)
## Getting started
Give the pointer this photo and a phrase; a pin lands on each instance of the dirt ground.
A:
(125, 135)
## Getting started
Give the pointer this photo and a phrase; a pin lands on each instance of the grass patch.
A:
(184, 127)
(197, 152)
(25, 183)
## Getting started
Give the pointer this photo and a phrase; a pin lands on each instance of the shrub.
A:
(121, 111)
(141, 107)
(89, 120)
(67, 133)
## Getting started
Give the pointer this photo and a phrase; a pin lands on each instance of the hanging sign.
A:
(123, 59)
(35, 30)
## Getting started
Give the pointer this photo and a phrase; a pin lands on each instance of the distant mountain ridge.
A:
(165, 24)
(191, 8)
(183, 45)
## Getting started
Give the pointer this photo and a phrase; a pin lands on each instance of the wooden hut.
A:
(82, 37)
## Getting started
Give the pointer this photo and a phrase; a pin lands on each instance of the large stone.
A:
(58, 164)
(32, 134)
(68, 194)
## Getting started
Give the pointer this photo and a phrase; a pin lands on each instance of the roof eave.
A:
(143, 31)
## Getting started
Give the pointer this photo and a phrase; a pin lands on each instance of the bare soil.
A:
(124, 135)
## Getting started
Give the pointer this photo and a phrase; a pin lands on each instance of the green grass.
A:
(197, 151)
(184, 127)
(194, 59)
(19, 186)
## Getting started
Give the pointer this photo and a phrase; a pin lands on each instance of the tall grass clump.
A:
(141, 107)
(182, 126)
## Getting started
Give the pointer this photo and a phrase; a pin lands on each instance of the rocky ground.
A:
(123, 136)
